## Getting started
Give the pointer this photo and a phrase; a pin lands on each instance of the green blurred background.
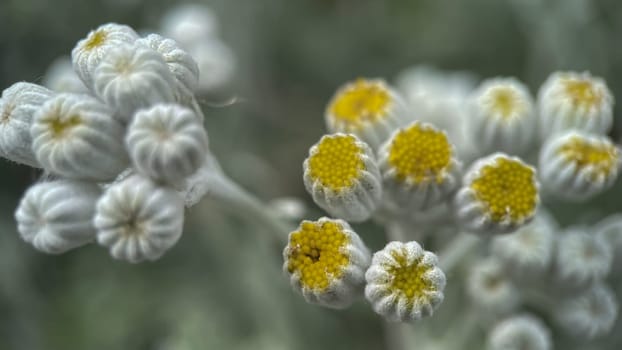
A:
(221, 287)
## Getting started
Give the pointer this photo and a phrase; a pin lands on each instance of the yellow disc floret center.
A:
(507, 190)
(602, 159)
(505, 102)
(316, 252)
(408, 278)
(337, 162)
(95, 40)
(420, 154)
(582, 92)
(360, 102)
(59, 126)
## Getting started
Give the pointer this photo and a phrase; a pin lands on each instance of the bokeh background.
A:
(221, 287)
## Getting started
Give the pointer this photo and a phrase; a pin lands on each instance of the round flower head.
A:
(501, 117)
(89, 51)
(591, 314)
(367, 108)
(489, 287)
(499, 194)
(18, 104)
(582, 258)
(528, 252)
(190, 24)
(524, 332)
(577, 166)
(57, 216)
(419, 167)
(342, 177)
(76, 136)
(138, 219)
(180, 63)
(166, 142)
(60, 77)
(325, 260)
(570, 100)
(216, 63)
(131, 77)
(404, 282)
(610, 231)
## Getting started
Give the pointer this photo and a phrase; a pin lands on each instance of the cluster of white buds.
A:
(121, 153)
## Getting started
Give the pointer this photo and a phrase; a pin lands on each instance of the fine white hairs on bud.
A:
(183, 67)
(404, 282)
(591, 314)
(501, 117)
(57, 216)
(520, 333)
(139, 220)
(89, 51)
(576, 166)
(571, 100)
(419, 168)
(166, 142)
(342, 177)
(18, 104)
(490, 289)
(499, 195)
(131, 77)
(326, 261)
(76, 136)
(369, 109)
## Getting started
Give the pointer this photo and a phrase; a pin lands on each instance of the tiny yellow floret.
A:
(337, 163)
(316, 252)
(507, 189)
(408, 279)
(95, 40)
(600, 159)
(61, 126)
(582, 92)
(505, 102)
(360, 102)
(420, 154)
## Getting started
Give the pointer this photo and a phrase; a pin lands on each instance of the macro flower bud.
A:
(501, 117)
(190, 24)
(76, 136)
(419, 168)
(325, 261)
(89, 51)
(520, 333)
(571, 100)
(166, 142)
(577, 166)
(60, 77)
(18, 104)
(499, 194)
(490, 289)
(131, 77)
(610, 231)
(369, 109)
(342, 177)
(404, 282)
(216, 63)
(57, 216)
(139, 220)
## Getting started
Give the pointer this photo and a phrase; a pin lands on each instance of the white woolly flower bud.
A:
(570, 100)
(131, 77)
(499, 194)
(166, 142)
(89, 51)
(76, 136)
(326, 260)
(577, 166)
(369, 109)
(501, 117)
(419, 168)
(490, 289)
(610, 231)
(591, 314)
(60, 77)
(342, 177)
(190, 24)
(139, 220)
(404, 282)
(528, 252)
(183, 67)
(216, 63)
(18, 104)
(57, 216)
(582, 259)
(524, 332)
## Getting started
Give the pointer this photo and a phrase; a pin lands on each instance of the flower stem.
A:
(456, 249)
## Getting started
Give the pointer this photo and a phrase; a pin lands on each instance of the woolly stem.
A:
(459, 247)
